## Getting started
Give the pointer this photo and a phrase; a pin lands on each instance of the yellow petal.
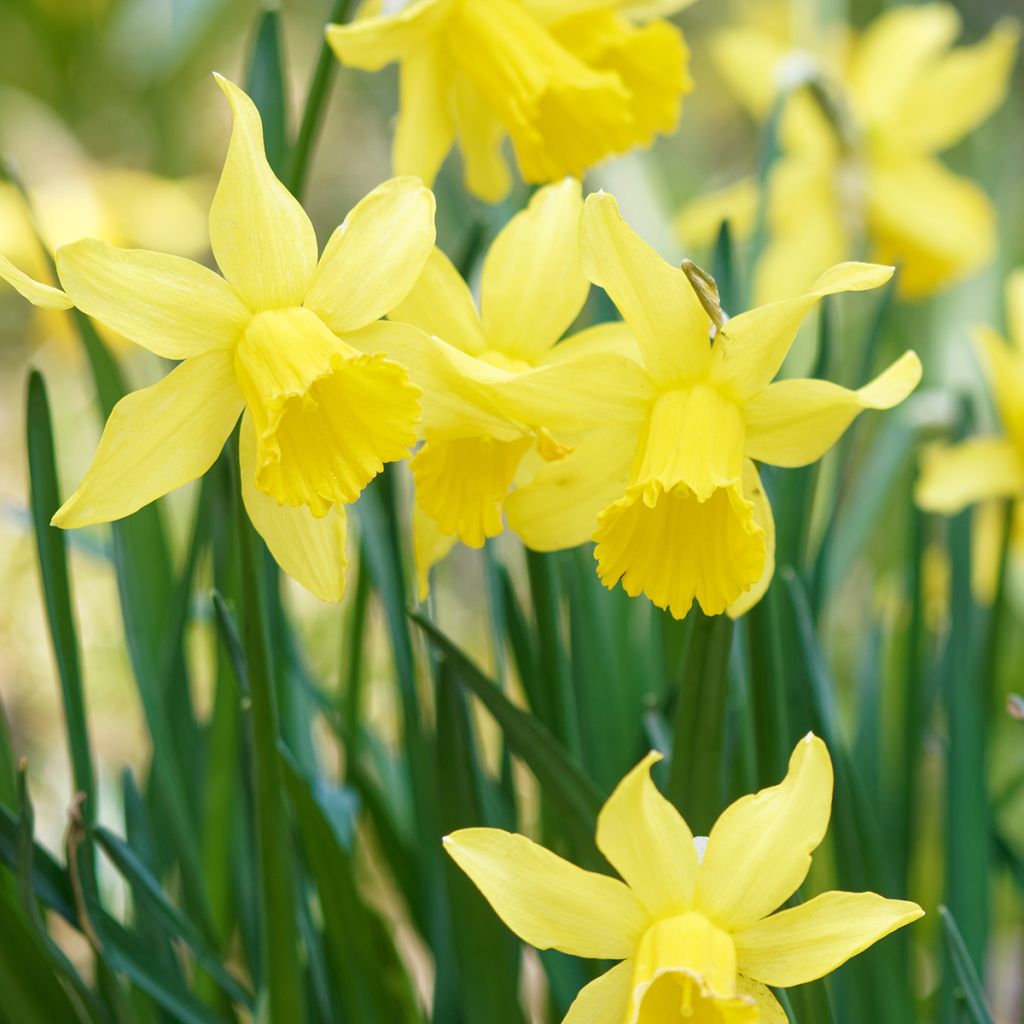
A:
(700, 220)
(749, 61)
(425, 129)
(759, 851)
(261, 237)
(646, 840)
(43, 295)
(1004, 369)
(559, 507)
(309, 549)
(169, 305)
(1015, 307)
(940, 227)
(545, 900)
(462, 483)
(430, 544)
(376, 257)
(807, 942)
(754, 492)
(442, 304)
(612, 338)
(973, 470)
(794, 422)
(481, 140)
(532, 287)
(672, 548)
(605, 1000)
(327, 416)
(956, 93)
(770, 1008)
(654, 298)
(894, 50)
(156, 440)
(753, 345)
(373, 42)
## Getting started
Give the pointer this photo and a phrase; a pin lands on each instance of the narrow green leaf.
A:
(265, 85)
(971, 991)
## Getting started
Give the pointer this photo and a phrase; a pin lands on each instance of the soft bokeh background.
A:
(109, 115)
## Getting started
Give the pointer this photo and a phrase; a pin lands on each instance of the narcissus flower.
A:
(276, 338)
(869, 173)
(991, 466)
(693, 920)
(666, 484)
(571, 81)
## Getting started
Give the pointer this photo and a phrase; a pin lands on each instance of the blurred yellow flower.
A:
(570, 81)
(692, 920)
(666, 484)
(274, 337)
(866, 171)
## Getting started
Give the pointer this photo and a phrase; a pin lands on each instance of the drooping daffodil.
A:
(692, 920)
(666, 482)
(273, 340)
(861, 173)
(570, 81)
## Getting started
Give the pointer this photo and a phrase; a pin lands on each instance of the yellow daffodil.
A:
(570, 81)
(276, 338)
(666, 484)
(693, 919)
(868, 174)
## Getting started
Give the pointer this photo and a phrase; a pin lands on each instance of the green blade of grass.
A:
(971, 992)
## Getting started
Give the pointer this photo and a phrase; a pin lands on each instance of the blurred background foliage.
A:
(894, 635)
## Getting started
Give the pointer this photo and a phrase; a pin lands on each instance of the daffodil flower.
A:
(693, 920)
(901, 96)
(666, 485)
(571, 81)
(275, 338)
(990, 466)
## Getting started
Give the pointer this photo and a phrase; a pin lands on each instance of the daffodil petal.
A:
(1004, 370)
(654, 298)
(158, 439)
(261, 237)
(807, 942)
(699, 222)
(430, 544)
(168, 305)
(559, 507)
(545, 900)
(374, 42)
(754, 492)
(309, 549)
(749, 61)
(771, 1009)
(973, 470)
(1015, 307)
(753, 345)
(43, 295)
(425, 129)
(605, 1000)
(794, 422)
(376, 257)
(481, 138)
(759, 850)
(532, 287)
(612, 338)
(647, 841)
(442, 304)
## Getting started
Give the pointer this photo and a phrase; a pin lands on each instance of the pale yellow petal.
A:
(43, 295)
(699, 221)
(309, 549)
(794, 422)
(654, 298)
(749, 61)
(442, 304)
(754, 492)
(753, 345)
(759, 851)
(605, 1000)
(771, 1009)
(973, 470)
(533, 287)
(375, 257)
(1004, 370)
(647, 841)
(612, 338)
(481, 141)
(373, 42)
(560, 506)
(1015, 307)
(545, 900)
(807, 942)
(430, 544)
(169, 305)
(157, 439)
(955, 93)
(425, 129)
(261, 237)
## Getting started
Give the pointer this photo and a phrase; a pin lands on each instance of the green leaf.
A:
(971, 991)
(265, 85)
